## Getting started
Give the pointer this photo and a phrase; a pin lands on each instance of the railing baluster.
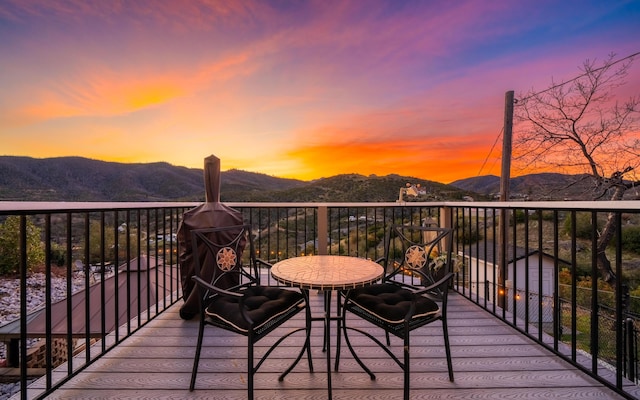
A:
(48, 295)
(23, 305)
(557, 306)
(116, 274)
(103, 294)
(595, 312)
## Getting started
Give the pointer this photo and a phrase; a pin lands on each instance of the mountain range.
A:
(83, 179)
(542, 186)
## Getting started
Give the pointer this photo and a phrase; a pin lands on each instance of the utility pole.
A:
(505, 176)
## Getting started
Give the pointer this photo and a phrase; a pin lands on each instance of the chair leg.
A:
(327, 306)
(250, 370)
(308, 335)
(447, 349)
(345, 329)
(406, 365)
(340, 313)
(305, 349)
(196, 359)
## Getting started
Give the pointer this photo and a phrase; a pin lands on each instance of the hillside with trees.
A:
(82, 179)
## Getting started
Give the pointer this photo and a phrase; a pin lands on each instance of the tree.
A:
(10, 245)
(580, 126)
(95, 243)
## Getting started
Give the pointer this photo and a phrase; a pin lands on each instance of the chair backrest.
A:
(222, 258)
(418, 255)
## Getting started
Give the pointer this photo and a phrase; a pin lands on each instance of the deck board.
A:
(490, 360)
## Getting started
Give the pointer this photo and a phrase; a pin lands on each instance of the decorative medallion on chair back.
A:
(222, 253)
(418, 255)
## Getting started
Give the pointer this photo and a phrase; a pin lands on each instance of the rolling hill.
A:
(543, 186)
(82, 179)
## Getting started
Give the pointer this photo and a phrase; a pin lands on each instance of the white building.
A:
(532, 272)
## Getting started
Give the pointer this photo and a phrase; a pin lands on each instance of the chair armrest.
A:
(264, 263)
(215, 289)
(434, 285)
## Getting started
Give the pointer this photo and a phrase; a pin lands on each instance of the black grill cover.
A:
(211, 214)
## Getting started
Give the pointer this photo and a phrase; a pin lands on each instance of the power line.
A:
(491, 151)
(548, 89)
(579, 76)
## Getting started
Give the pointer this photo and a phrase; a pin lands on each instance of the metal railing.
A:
(103, 275)
(539, 272)
(526, 263)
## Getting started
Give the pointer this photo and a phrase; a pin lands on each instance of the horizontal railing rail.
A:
(531, 264)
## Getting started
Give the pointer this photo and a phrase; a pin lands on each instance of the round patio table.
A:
(326, 273)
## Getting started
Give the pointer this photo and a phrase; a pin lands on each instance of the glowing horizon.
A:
(295, 90)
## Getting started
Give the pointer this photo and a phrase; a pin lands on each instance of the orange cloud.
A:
(113, 94)
(441, 159)
(96, 94)
(99, 91)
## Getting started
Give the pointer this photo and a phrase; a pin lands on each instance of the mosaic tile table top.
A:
(326, 272)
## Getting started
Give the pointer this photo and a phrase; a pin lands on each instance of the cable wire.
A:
(491, 151)
(578, 77)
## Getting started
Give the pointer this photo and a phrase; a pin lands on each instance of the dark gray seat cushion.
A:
(390, 303)
(263, 305)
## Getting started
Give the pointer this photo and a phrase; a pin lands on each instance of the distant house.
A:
(534, 270)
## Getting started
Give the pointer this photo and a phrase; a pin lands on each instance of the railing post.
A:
(446, 217)
(323, 230)
(446, 222)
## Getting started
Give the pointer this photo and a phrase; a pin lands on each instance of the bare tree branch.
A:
(579, 125)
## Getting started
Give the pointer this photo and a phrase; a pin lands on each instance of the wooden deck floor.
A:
(490, 361)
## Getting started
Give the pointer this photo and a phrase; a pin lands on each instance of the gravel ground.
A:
(10, 308)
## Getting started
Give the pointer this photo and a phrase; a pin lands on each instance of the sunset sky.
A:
(296, 89)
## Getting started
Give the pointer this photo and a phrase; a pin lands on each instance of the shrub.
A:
(631, 238)
(10, 245)
(468, 233)
(584, 225)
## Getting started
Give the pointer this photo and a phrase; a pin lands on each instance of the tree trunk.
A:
(604, 265)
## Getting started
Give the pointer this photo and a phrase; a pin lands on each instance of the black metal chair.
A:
(233, 298)
(413, 292)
